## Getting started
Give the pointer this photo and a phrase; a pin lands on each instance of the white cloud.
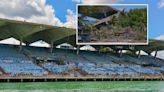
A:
(29, 10)
(160, 37)
(96, 1)
(161, 3)
(38, 11)
(70, 19)
(76, 1)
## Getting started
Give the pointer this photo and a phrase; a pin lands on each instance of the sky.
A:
(156, 11)
(63, 12)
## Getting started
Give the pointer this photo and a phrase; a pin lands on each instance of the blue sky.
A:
(61, 7)
(156, 19)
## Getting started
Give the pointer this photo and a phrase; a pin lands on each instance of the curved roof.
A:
(31, 32)
(154, 45)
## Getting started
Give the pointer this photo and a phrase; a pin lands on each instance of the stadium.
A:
(25, 63)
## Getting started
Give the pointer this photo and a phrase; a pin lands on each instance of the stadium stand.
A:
(142, 70)
(56, 69)
(130, 70)
(95, 57)
(17, 68)
(35, 51)
(14, 63)
(68, 55)
(18, 60)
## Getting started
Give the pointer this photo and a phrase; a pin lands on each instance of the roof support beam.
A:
(101, 47)
(77, 50)
(20, 45)
(139, 53)
(155, 54)
(99, 50)
(120, 53)
(51, 47)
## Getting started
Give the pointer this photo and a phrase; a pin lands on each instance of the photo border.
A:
(112, 43)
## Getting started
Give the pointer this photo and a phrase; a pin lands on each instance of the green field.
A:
(108, 86)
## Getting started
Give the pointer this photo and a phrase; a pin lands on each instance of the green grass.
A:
(121, 86)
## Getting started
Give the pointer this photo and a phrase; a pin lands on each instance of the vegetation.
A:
(135, 18)
(106, 50)
(131, 24)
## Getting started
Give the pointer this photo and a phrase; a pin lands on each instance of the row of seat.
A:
(23, 68)
(7, 48)
(57, 69)
(16, 63)
(36, 51)
(15, 69)
(143, 70)
(131, 70)
(70, 56)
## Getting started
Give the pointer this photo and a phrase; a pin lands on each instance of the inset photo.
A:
(113, 24)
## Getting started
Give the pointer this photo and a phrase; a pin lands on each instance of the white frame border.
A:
(112, 43)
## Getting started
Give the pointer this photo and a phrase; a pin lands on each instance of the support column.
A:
(121, 53)
(78, 48)
(20, 45)
(155, 54)
(100, 49)
(51, 47)
(139, 53)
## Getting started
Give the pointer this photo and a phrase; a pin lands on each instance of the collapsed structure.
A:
(95, 24)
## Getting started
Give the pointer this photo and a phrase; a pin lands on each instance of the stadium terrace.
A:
(27, 63)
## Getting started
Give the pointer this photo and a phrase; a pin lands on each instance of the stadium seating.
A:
(7, 48)
(95, 70)
(68, 55)
(1, 73)
(10, 52)
(95, 57)
(15, 69)
(57, 69)
(17, 63)
(129, 70)
(143, 70)
(132, 59)
(92, 69)
(151, 60)
(36, 51)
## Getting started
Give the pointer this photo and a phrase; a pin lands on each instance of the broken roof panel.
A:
(98, 12)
